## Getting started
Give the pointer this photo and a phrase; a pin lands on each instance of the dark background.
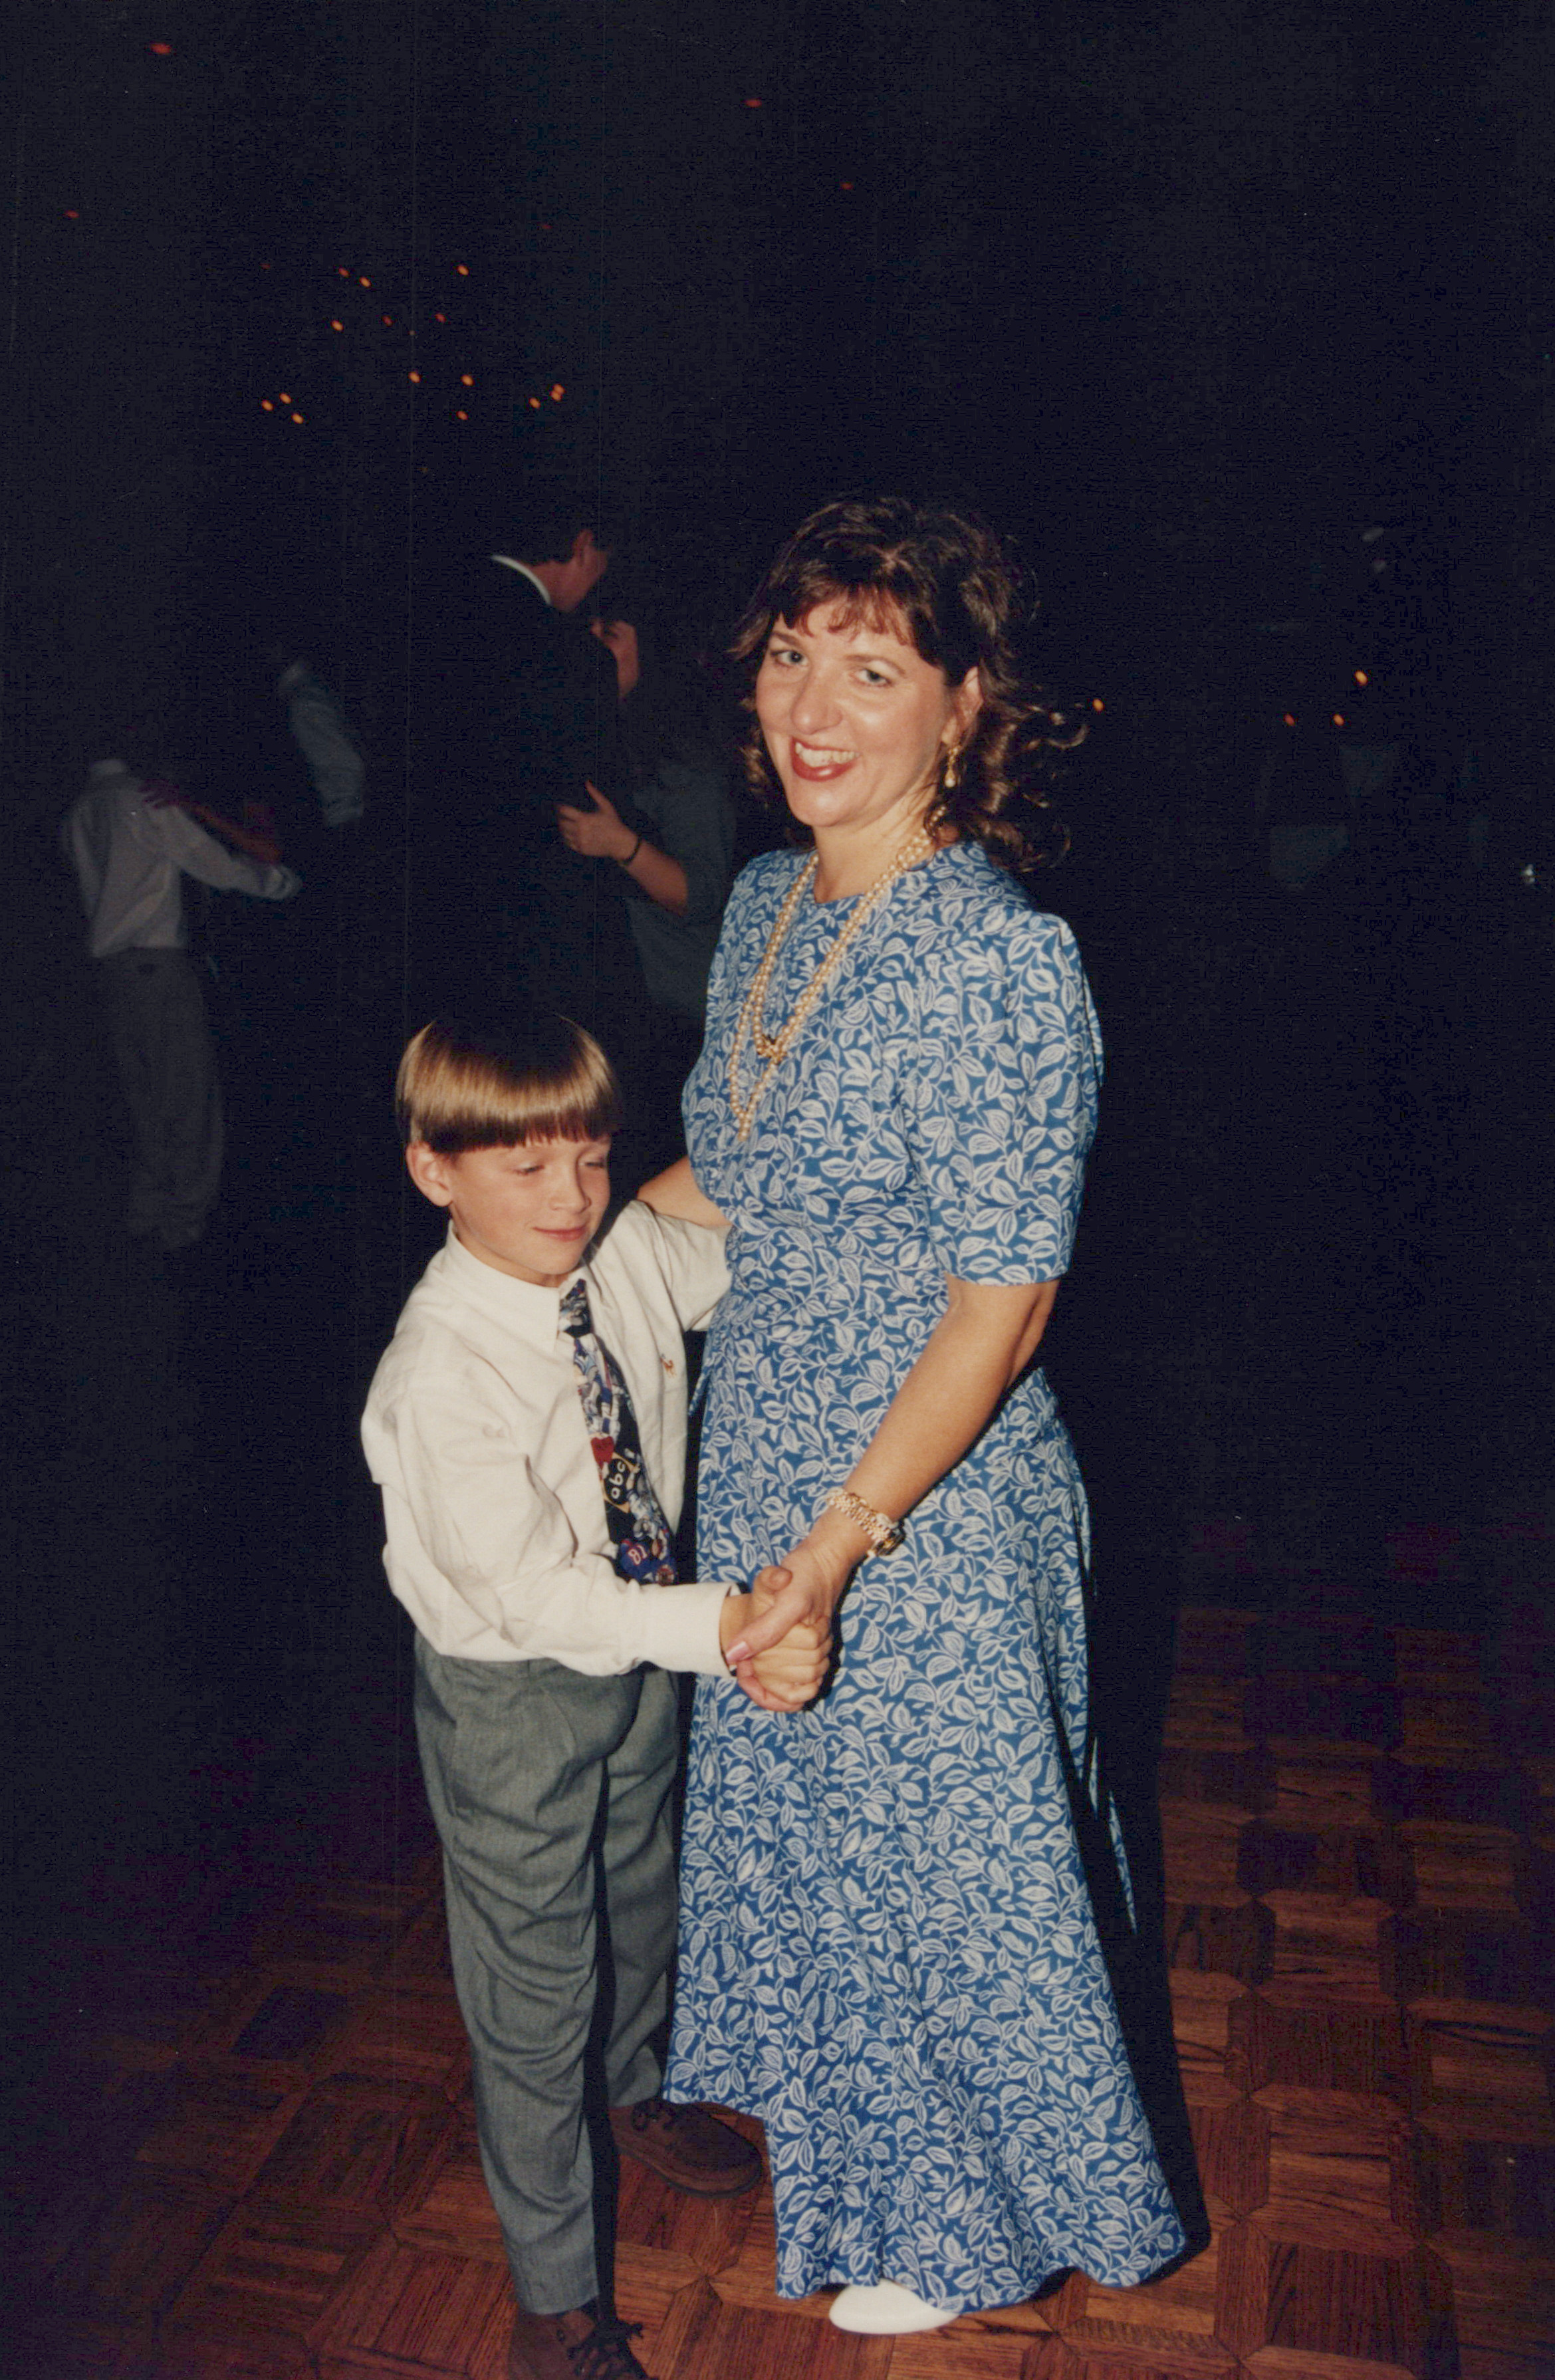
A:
(1186, 295)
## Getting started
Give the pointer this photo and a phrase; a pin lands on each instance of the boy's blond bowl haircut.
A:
(534, 1076)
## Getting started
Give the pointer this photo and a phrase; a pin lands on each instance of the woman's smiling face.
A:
(855, 720)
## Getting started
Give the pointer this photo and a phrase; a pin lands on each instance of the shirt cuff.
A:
(680, 1628)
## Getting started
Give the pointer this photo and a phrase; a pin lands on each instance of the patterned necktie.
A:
(639, 1530)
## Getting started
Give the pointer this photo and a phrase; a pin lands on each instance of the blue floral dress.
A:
(887, 1949)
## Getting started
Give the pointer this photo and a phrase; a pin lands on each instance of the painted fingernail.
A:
(737, 1653)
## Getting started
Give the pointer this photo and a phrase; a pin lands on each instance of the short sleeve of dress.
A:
(999, 1100)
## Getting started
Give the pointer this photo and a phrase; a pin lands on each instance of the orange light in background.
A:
(753, 102)
(1361, 678)
(363, 279)
(461, 415)
(160, 49)
(285, 397)
(464, 268)
(1339, 718)
(416, 377)
(440, 318)
(265, 406)
(1096, 703)
(388, 321)
(557, 394)
(334, 326)
(72, 214)
(296, 417)
(534, 405)
(547, 226)
(344, 271)
(467, 380)
(264, 268)
(1290, 718)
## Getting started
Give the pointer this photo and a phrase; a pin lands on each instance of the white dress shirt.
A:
(320, 730)
(128, 857)
(498, 1544)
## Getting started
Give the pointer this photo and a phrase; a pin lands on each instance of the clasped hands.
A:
(777, 1639)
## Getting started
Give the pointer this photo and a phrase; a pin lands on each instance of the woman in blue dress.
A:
(888, 1952)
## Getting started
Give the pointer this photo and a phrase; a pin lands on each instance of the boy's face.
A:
(529, 1210)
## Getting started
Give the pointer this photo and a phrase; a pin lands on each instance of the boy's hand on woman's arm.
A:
(781, 1665)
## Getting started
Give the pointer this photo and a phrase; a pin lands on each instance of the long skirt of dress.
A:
(888, 1952)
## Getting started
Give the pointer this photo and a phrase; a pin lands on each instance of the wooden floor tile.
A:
(1338, 2178)
(961, 2353)
(1314, 1794)
(1292, 1707)
(1470, 1955)
(1172, 2317)
(406, 2309)
(420, 1961)
(1201, 2007)
(1205, 1715)
(1334, 2301)
(707, 2337)
(1488, 2062)
(1242, 1781)
(749, 2280)
(1503, 2293)
(1288, 2037)
(141, 2250)
(648, 2281)
(1234, 1936)
(443, 2205)
(1326, 1941)
(1349, 1648)
(1061, 2359)
(254, 2355)
(710, 2231)
(1425, 1784)
(1458, 1865)
(219, 2128)
(332, 1936)
(1231, 2143)
(274, 2266)
(403, 2037)
(358, 2145)
(44, 2346)
(1202, 1845)
(1213, 1643)
(1503, 2188)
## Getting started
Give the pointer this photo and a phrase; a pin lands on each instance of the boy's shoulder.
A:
(646, 1258)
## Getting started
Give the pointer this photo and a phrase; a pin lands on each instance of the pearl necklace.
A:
(771, 1049)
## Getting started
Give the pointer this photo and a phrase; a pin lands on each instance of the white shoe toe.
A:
(886, 2311)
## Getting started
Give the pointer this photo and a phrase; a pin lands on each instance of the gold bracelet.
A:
(884, 1534)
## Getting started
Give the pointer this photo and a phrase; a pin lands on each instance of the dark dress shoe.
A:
(576, 2346)
(688, 2148)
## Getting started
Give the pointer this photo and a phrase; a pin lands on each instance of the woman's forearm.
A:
(674, 1192)
(979, 1347)
(982, 1342)
(662, 877)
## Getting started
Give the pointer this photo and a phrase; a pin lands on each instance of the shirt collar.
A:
(524, 571)
(524, 1304)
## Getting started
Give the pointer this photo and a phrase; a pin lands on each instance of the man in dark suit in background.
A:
(514, 705)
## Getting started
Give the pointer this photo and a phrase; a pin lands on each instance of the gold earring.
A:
(948, 776)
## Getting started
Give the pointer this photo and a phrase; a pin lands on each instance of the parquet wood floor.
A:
(248, 2154)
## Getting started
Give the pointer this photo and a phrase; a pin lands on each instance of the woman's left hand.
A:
(598, 834)
(805, 1590)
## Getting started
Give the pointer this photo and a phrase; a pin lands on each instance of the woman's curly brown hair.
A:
(948, 582)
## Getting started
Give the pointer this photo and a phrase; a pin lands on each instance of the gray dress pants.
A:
(550, 1791)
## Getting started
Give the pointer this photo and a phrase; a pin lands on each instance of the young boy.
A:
(527, 1428)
